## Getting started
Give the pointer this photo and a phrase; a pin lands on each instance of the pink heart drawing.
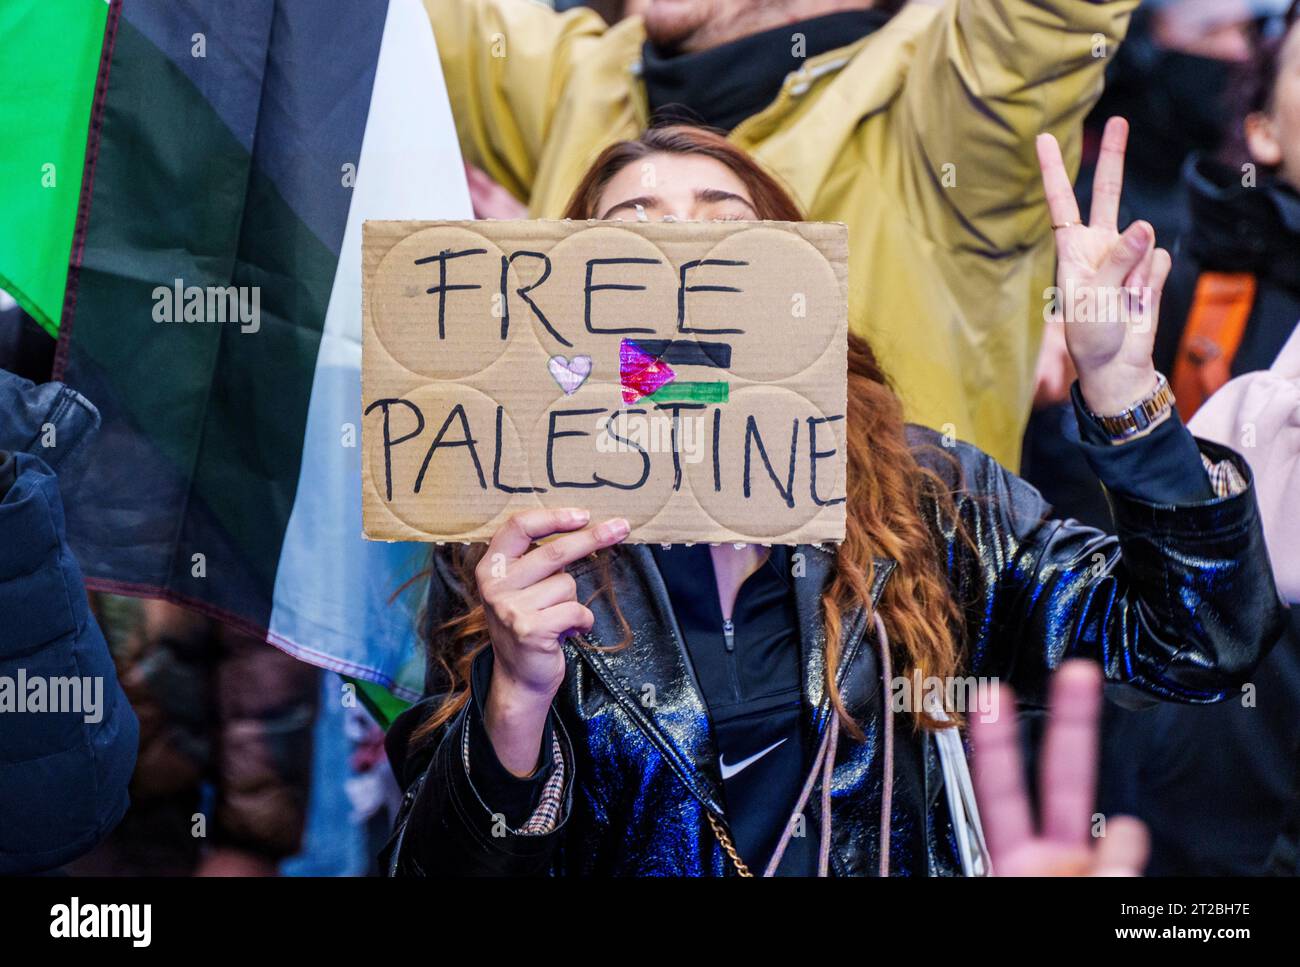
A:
(569, 374)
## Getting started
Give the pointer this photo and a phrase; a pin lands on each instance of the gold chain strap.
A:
(724, 838)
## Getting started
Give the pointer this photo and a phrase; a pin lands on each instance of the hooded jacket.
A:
(919, 136)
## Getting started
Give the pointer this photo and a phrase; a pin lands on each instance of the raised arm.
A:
(504, 62)
(988, 76)
(1182, 603)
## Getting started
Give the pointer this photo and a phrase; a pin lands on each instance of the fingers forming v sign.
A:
(1108, 282)
(1063, 843)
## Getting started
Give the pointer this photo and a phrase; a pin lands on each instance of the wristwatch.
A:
(1141, 416)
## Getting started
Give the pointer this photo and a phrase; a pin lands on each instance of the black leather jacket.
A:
(1180, 606)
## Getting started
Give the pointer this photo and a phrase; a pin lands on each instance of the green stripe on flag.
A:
(383, 705)
(50, 58)
(676, 392)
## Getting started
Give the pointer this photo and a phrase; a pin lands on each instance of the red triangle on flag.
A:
(640, 373)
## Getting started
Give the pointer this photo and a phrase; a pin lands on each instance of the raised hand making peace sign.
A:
(1070, 840)
(1108, 283)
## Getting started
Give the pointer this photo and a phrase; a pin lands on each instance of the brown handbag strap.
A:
(1215, 327)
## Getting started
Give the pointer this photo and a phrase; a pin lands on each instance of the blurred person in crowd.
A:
(1232, 301)
(912, 123)
(1243, 246)
(534, 752)
(67, 735)
(1170, 79)
(220, 714)
(220, 788)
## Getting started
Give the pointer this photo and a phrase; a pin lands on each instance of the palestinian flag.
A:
(646, 369)
(212, 307)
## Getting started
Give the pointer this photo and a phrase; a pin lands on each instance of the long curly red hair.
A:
(887, 489)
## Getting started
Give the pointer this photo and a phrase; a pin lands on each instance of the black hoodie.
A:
(1237, 228)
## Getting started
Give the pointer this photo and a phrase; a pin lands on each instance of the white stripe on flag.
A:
(332, 587)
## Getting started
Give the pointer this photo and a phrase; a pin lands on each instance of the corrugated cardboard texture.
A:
(479, 405)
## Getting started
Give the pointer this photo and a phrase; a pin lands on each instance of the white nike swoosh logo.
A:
(729, 771)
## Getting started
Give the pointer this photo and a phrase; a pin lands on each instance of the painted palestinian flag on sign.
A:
(646, 370)
(213, 304)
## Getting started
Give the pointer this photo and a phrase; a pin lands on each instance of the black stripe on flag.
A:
(688, 352)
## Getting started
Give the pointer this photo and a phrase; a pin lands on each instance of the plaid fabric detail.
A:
(547, 813)
(1225, 478)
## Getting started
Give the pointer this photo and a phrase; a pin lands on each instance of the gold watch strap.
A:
(1142, 415)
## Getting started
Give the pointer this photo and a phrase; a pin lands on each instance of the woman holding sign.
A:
(598, 708)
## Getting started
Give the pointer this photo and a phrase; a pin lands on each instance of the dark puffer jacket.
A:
(67, 735)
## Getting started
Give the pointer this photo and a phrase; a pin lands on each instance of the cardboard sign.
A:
(687, 376)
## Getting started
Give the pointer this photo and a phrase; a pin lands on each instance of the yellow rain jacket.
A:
(920, 137)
